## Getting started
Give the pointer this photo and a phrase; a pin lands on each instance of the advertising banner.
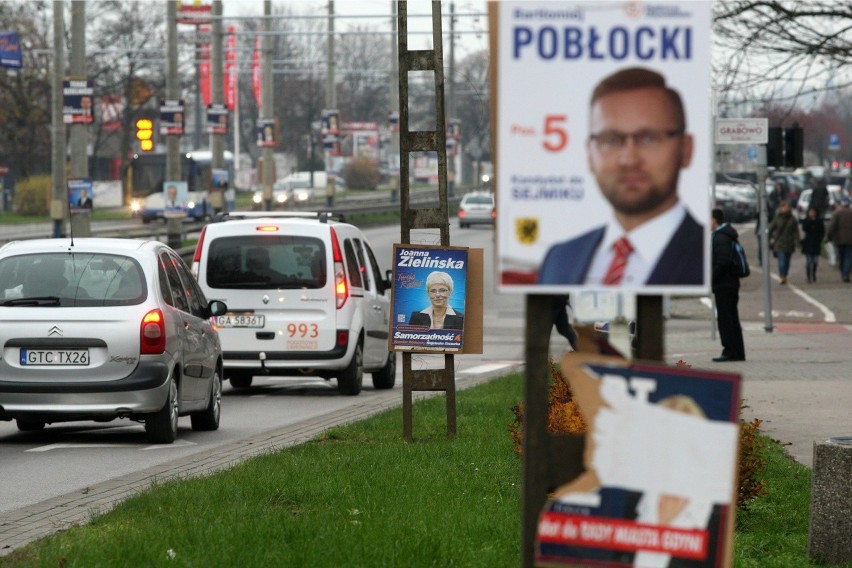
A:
(171, 117)
(603, 144)
(660, 468)
(80, 195)
(429, 294)
(78, 99)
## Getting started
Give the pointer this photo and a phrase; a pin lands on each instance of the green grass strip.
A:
(359, 495)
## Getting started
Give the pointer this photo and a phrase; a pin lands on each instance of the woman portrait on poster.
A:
(439, 314)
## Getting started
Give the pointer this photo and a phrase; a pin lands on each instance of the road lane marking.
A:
(85, 445)
(479, 369)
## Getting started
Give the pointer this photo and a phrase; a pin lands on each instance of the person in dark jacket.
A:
(814, 229)
(840, 234)
(784, 238)
(819, 196)
(726, 289)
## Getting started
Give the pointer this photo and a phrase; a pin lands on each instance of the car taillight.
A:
(462, 213)
(196, 258)
(152, 333)
(341, 289)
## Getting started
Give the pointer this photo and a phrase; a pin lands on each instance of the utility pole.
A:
(451, 106)
(394, 81)
(267, 154)
(330, 95)
(217, 141)
(81, 222)
(172, 90)
(174, 225)
(59, 199)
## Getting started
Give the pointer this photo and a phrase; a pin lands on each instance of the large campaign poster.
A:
(429, 295)
(660, 468)
(603, 131)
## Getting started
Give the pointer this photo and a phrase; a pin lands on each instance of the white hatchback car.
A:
(305, 294)
(98, 329)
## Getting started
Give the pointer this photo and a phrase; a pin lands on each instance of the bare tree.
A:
(781, 50)
(25, 93)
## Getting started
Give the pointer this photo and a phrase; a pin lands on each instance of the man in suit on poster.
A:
(637, 147)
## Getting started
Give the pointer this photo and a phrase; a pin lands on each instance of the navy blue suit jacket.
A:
(682, 261)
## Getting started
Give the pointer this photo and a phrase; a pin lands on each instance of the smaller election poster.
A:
(77, 102)
(429, 294)
(80, 195)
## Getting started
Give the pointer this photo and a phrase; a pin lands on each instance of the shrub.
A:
(32, 195)
(563, 416)
(361, 173)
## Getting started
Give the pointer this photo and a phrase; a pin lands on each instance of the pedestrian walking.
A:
(726, 289)
(840, 234)
(813, 228)
(819, 196)
(559, 310)
(784, 238)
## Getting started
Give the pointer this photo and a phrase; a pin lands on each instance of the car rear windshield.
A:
(71, 280)
(258, 262)
(480, 200)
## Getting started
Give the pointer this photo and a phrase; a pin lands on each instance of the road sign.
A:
(834, 142)
(742, 130)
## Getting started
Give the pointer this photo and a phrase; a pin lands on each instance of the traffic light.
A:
(145, 134)
(774, 148)
(794, 147)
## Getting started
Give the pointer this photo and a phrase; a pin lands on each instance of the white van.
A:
(305, 296)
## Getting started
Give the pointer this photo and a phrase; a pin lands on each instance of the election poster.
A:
(267, 129)
(217, 119)
(660, 467)
(603, 143)
(80, 195)
(172, 117)
(175, 198)
(429, 296)
(77, 102)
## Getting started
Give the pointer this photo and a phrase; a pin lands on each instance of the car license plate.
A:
(241, 320)
(55, 357)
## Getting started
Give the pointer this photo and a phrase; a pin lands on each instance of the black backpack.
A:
(740, 262)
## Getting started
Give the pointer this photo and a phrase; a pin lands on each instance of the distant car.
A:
(306, 298)
(834, 197)
(739, 202)
(99, 329)
(477, 207)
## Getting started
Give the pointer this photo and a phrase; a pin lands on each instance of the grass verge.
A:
(360, 496)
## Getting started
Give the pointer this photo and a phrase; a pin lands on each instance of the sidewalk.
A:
(797, 379)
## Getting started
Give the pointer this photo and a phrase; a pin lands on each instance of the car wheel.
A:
(161, 426)
(240, 380)
(385, 378)
(208, 419)
(29, 425)
(350, 379)
(145, 219)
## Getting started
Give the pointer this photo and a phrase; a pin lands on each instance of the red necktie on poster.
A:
(615, 272)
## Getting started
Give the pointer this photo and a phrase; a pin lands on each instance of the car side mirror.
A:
(217, 308)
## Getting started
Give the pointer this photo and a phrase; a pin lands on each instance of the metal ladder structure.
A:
(424, 218)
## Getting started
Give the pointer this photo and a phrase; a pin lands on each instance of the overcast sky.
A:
(352, 12)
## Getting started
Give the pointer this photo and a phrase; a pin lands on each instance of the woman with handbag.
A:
(783, 238)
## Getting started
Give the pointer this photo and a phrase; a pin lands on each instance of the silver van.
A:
(305, 296)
